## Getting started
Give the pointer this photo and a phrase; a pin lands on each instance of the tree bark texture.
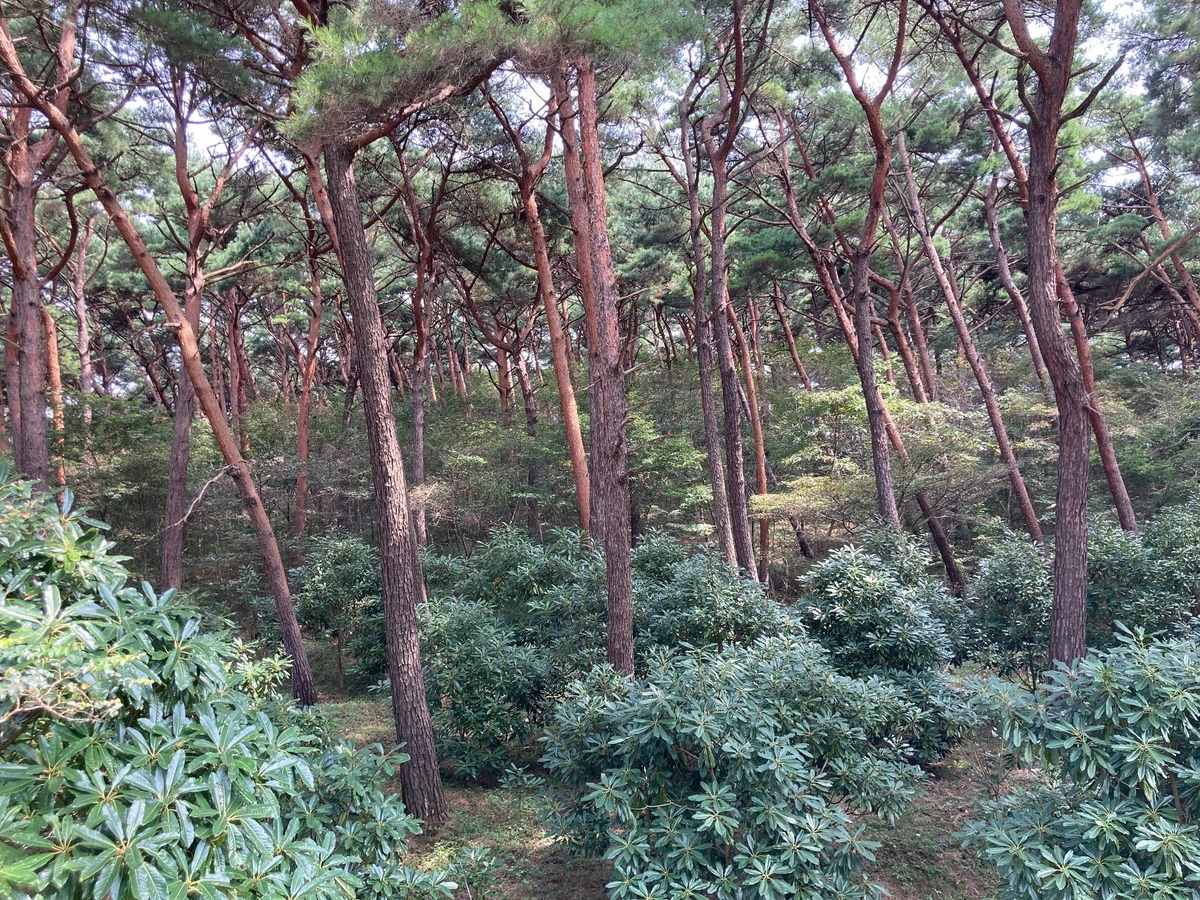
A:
(610, 477)
(398, 552)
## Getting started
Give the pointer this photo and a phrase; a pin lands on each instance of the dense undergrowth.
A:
(148, 754)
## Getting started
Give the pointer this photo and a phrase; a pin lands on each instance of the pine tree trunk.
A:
(704, 346)
(303, 687)
(87, 377)
(1004, 269)
(610, 477)
(760, 451)
(781, 311)
(308, 372)
(735, 463)
(30, 442)
(401, 564)
(54, 382)
(1068, 619)
(12, 381)
(558, 353)
(174, 513)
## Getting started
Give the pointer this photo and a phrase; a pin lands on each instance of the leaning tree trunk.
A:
(398, 553)
(175, 512)
(558, 350)
(54, 383)
(953, 303)
(303, 687)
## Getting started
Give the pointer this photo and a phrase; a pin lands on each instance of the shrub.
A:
(1132, 583)
(1143, 580)
(507, 628)
(1117, 737)
(484, 691)
(730, 773)
(143, 758)
(695, 599)
(337, 587)
(1015, 591)
(873, 623)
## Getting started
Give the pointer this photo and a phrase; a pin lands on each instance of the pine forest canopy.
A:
(766, 276)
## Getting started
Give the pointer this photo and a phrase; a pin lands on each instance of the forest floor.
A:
(919, 857)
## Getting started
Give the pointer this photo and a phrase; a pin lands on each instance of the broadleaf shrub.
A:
(889, 620)
(730, 773)
(1113, 813)
(486, 693)
(507, 628)
(142, 757)
(1146, 580)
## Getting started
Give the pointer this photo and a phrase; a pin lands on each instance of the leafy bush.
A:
(730, 773)
(1015, 592)
(485, 692)
(879, 619)
(1144, 580)
(337, 593)
(507, 628)
(142, 758)
(1132, 583)
(1117, 737)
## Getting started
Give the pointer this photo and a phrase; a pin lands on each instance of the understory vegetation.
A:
(146, 751)
(600, 450)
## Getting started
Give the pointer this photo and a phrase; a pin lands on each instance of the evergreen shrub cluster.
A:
(144, 759)
(730, 773)
(1113, 812)
(880, 614)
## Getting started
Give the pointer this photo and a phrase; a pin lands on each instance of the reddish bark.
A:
(303, 687)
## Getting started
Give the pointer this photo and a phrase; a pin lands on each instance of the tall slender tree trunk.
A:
(54, 382)
(87, 376)
(308, 372)
(30, 441)
(610, 477)
(704, 347)
(735, 464)
(398, 552)
(531, 173)
(760, 450)
(1068, 621)
(303, 687)
(174, 514)
(560, 359)
(419, 397)
(577, 210)
(953, 303)
(12, 380)
(1004, 269)
(789, 337)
